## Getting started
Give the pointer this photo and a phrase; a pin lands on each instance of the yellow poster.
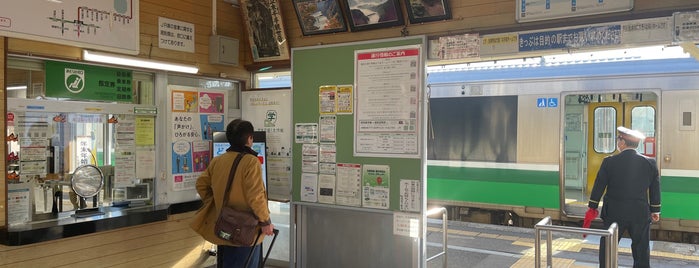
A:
(145, 130)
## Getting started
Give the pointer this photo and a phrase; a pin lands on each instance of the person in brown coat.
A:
(247, 194)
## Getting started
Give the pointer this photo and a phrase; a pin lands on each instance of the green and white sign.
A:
(84, 82)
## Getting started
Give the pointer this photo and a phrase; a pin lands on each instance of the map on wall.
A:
(107, 25)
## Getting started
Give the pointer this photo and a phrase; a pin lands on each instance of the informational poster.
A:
(306, 133)
(406, 224)
(348, 184)
(309, 187)
(145, 131)
(175, 35)
(534, 10)
(345, 99)
(376, 180)
(410, 192)
(309, 158)
(326, 188)
(18, 205)
(327, 97)
(388, 85)
(328, 128)
(270, 111)
(125, 151)
(459, 46)
(105, 25)
(195, 114)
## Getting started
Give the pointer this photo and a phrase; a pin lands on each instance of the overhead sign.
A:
(534, 10)
(632, 33)
(686, 26)
(85, 82)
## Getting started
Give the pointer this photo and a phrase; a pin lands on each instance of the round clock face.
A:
(87, 180)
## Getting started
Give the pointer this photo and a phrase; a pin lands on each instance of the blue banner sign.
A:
(571, 38)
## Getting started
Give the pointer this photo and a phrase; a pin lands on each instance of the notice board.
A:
(358, 148)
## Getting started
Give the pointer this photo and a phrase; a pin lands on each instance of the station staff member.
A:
(630, 180)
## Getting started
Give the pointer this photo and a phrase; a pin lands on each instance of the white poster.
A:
(175, 35)
(270, 111)
(326, 188)
(105, 25)
(348, 184)
(309, 187)
(387, 93)
(410, 192)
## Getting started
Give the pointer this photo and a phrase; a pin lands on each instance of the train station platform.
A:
(483, 245)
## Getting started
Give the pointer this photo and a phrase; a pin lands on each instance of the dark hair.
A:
(238, 132)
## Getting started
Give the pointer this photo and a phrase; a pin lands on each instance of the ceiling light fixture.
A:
(137, 62)
(16, 88)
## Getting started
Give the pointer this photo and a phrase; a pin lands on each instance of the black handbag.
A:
(237, 227)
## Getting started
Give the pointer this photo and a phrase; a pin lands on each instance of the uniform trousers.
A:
(639, 231)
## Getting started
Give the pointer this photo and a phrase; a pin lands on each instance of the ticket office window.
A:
(49, 138)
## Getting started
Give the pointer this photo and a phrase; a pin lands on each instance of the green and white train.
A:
(511, 145)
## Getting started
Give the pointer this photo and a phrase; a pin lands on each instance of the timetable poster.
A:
(387, 93)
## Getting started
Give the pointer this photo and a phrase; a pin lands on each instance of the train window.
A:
(605, 130)
(643, 120)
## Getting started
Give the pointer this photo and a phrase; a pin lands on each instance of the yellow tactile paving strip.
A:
(560, 244)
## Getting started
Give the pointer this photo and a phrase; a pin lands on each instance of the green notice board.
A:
(86, 82)
(317, 67)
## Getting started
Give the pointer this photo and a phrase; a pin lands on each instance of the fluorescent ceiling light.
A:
(17, 88)
(137, 62)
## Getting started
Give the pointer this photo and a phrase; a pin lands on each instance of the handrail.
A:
(444, 232)
(612, 235)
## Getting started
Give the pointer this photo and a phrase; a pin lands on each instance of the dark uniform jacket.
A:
(631, 179)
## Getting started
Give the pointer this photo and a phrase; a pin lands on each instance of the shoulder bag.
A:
(237, 227)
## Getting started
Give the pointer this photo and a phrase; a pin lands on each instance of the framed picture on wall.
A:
(427, 10)
(265, 28)
(373, 14)
(319, 16)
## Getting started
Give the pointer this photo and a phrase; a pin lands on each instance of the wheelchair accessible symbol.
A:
(544, 102)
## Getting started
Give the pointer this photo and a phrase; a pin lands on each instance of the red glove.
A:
(590, 215)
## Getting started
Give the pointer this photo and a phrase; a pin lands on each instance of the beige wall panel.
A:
(199, 13)
(537, 131)
(680, 145)
(27, 47)
(170, 243)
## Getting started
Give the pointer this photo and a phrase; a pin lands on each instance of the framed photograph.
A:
(319, 16)
(264, 24)
(373, 14)
(427, 10)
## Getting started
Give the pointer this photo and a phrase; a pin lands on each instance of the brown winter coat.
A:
(247, 193)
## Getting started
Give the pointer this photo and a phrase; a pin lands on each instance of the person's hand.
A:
(590, 216)
(655, 217)
(268, 229)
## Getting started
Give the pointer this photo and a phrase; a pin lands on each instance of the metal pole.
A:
(549, 246)
(444, 234)
(537, 241)
(537, 248)
(444, 238)
(612, 246)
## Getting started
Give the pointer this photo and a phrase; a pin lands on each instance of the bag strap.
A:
(230, 179)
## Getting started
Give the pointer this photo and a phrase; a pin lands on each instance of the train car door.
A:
(590, 136)
(626, 109)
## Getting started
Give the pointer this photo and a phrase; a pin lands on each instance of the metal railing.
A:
(444, 234)
(611, 243)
